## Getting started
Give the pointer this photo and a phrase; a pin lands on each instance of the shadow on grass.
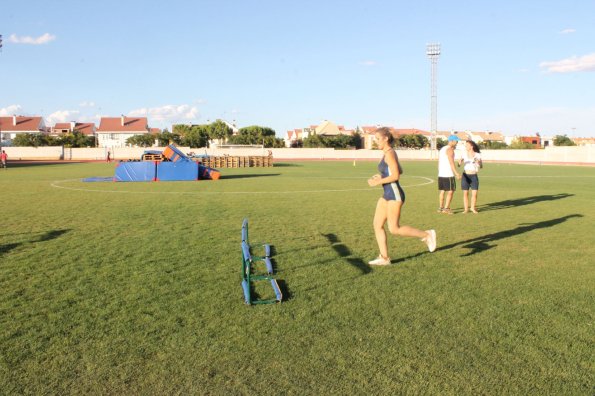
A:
(47, 236)
(344, 252)
(285, 165)
(245, 176)
(513, 203)
(287, 295)
(25, 164)
(485, 242)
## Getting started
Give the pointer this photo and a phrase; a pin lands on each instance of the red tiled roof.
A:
(130, 125)
(462, 135)
(86, 128)
(28, 124)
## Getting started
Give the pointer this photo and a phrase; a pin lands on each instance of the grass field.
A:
(134, 288)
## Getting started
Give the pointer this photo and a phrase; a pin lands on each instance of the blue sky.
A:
(518, 67)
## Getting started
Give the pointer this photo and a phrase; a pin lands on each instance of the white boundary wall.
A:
(568, 155)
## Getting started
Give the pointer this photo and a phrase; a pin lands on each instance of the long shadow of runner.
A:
(482, 243)
(511, 203)
(47, 236)
(245, 176)
(344, 252)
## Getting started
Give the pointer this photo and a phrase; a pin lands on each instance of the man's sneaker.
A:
(440, 210)
(380, 261)
(430, 240)
(447, 211)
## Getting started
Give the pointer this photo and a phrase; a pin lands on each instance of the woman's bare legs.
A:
(380, 217)
(393, 218)
(466, 201)
(473, 201)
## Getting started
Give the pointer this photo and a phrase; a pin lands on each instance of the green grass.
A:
(134, 288)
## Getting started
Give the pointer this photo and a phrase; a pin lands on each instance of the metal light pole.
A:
(433, 52)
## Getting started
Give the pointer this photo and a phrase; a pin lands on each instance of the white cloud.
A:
(87, 104)
(570, 65)
(567, 31)
(10, 110)
(368, 63)
(43, 39)
(62, 116)
(167, 113)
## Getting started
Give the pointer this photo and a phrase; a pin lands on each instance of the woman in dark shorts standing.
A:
(388, 208)
(472, 163)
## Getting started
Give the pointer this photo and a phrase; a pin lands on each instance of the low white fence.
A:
(568, 155)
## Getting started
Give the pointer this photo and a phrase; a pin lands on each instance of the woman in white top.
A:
(472, 163)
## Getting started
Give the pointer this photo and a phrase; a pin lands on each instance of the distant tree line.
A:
(199, 136)
(353, 141)
(74, 139)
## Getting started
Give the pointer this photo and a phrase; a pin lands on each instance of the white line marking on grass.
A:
(532, 177)
(56, 184)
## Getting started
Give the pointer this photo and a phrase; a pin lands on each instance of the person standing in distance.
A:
(3, 158)
(447, 174)
(388, 208)
(472, 163)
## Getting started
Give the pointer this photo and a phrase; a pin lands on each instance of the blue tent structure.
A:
(135, 171)
(178, 167)
(181, 170)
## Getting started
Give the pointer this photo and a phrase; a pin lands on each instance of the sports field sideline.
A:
(134, 288)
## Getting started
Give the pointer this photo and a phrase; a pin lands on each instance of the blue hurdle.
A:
(249, 274)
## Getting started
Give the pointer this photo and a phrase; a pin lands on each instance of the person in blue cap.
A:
(447, 174)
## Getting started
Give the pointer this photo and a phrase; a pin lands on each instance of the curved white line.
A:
(56, 184)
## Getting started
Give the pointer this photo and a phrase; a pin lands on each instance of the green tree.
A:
(314, 141)
(220, 130)
(440, 143)
(338, 142)
(412, 141)
(196, 137)
(520, 145)
(76, 139)
(33, 139)
(165, 138)
(491, 145)
(144, 140)
(563, 140)
(257, 135)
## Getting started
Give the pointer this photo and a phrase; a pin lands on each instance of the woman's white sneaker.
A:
(430, 240)
(380, 261)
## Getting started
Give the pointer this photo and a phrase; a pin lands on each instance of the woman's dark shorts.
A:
(469, 181)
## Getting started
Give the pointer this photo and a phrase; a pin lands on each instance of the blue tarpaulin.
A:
(135, 171)
(99, 179)
(180, 170)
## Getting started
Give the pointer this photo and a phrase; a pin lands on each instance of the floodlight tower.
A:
(433, 52)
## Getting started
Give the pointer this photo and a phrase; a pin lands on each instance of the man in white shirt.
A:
(447, 174)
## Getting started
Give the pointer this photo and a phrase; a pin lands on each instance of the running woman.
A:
(388, 208)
